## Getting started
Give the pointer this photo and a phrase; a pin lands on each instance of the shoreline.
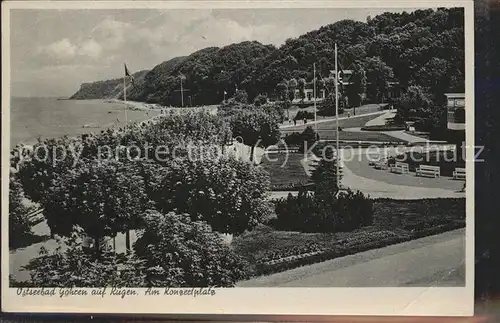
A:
(94, 127)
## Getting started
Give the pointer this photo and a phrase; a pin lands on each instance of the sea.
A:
(32, 118)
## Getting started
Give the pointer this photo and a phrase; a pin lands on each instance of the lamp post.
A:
(337, 114)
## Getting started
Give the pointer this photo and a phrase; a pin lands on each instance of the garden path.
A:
(399, 134)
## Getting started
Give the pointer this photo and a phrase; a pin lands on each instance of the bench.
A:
(381, 164)
(401, 168)
(427, 170)
(459, 173)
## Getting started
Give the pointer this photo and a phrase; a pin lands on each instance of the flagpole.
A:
(125, 95)
(314, 95)
(337, 113)
(182, 94)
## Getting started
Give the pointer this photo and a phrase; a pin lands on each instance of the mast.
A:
(125, 95)
(337, 113)
(182, 94)
(314, 95)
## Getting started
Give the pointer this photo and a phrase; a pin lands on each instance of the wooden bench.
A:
(427, 170)
(381, 164)
(459, 173)
(401, 168)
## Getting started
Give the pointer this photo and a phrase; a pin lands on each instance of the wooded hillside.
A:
(423, 48)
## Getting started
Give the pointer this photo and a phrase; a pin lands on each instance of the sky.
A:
(54, 51)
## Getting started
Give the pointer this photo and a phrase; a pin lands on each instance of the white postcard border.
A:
(456, 301)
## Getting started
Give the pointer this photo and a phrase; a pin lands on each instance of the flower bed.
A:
(293, 186)
(269, 251)
(362, 242)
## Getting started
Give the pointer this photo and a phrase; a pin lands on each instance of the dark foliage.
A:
(179, 252)
(429, 43)
(301, 115)
(324, 213)
(303, 140)
(19, 224)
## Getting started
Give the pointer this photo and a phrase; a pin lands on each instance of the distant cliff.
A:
(109, 89)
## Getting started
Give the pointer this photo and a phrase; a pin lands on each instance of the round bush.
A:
(180, 252)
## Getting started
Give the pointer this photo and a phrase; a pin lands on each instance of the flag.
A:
(127, 74)
(225, 93)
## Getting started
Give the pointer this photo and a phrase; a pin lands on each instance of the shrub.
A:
(304, 115)
(227, 193)
(325, 175)
(324, 213)
(180, 252)
(326, 110)
(302, 140)
(259, 100)
(19, 224)
(72, 266)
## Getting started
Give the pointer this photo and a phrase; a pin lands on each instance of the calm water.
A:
(31, 118)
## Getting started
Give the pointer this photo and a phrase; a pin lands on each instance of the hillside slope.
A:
(423, 47)
(109, 89)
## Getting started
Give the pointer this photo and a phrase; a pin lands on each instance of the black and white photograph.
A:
(201, 149)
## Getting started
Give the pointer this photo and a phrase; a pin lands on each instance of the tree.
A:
(325, 176)
(282, 91)
(302, 89)
(357, 88)
(101, 197)
(415, 103)
(241, 96)
(307, 138)
(180, 252)
(42, 165)
(19, 224)
(434, 77)
(327, 108)
(260, 100)
(292, 86)
(256, 128)
(378, 75)
(227, 193)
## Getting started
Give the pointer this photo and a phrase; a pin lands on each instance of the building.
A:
(345, 81)
(456, 120)
(309, 94)
(456, 111)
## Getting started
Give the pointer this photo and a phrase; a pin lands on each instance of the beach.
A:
(32, 118)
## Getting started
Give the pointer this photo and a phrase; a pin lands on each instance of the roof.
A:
(455, 95)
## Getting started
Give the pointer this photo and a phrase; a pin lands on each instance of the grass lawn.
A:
(327, 130)
(285, 170)
(368, 108)
(357, 136)
(353, 122)
(394, 221)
